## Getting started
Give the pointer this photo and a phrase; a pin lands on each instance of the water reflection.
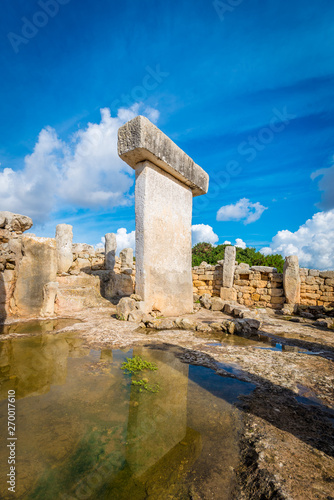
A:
(84, 431)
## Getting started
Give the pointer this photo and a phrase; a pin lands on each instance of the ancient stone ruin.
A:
(166, 181)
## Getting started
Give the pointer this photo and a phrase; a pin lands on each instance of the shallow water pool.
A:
(85, 431)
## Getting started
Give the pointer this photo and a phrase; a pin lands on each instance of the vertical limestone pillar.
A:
(126, 256)
(227, 292)
(110, 251)
(166, 181)
(64, 238)
(291, 280)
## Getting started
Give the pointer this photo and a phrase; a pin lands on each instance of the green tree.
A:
(210, 254)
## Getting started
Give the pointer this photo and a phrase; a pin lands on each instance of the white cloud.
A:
(326, 184)
(227, 243)
(240, 243)
(203, 233)
(123, 240)
(313, 242)
(243, 209)
(83, 172)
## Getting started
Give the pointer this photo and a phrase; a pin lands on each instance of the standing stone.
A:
(64, 237)
(126, 256)
(229, 267)
(37, 267)
(291, 280)
(166, 181)
(49, 296)
(110, 251)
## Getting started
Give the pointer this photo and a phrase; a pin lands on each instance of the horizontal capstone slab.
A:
(139, 140)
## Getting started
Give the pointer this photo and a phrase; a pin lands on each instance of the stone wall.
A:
(253, 286)
(317, 287)
(263, 286)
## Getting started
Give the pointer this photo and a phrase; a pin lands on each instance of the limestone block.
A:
(110, 250)
(228, 293)
(5, 235)
(163, 241)
(83, 248)
(229, 266)
(326, 274)
(264, 269)
(49, 296)
(126, 256)
(291, 279)
(125, 307)
(37, 267)
(277, 292)
(313, 272)
(329, 282)
(277, 300)
(64, 237)
(119, 285)
(217, 304)
(15, 222)
(139, 140)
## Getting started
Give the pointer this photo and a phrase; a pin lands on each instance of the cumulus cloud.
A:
(240, 243)
(244, 209)
(313, 242)
(203, 233)
(326, 184)
(123, 240)
(83, 172)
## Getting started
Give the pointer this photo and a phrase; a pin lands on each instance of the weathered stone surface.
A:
(37, 267)
(83, 248)
(119, 285)
(7, 283)
(136, 297)
(228, 294)
(264, 269)
(163, 241)
(291, 280)
(49, 296)
(64, 237)
(326, 274)
(136, 316)
(139, 140)
(124, 307)
(126, 256)
(205, 301)
(229, 266)
(161, 324)
(185, 324)
(15, 222)
(110, 251)
(217, 304)
(4, 235)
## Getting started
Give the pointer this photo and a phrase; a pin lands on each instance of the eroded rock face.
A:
(291, 280)
(49, 296)
(64, 237)
(125, 307)
(37, 267)
(15, 222)
(126, 256)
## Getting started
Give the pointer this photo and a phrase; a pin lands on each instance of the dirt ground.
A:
(287, 447)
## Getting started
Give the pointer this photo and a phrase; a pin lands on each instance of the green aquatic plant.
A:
(137, 364)
(144, 385)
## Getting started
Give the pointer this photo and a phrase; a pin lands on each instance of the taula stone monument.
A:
(166, 181)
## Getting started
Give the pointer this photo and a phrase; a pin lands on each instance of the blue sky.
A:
(215, 77)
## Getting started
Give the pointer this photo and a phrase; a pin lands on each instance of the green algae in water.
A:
(85, 431)
(137, 364)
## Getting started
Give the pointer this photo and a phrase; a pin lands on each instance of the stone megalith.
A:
(49, 296)
(126, 256)
(110, 251)
(291, 280)
(166, 181)
(64, 237)
(37, 267)
(229, 266)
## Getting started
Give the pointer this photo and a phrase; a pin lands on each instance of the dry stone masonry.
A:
(166, 181)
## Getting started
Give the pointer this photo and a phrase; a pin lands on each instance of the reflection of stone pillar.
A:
(166, 181)
(291, 280)
(110, 251)
(49, 296)
(157, 422)
(64, 237)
